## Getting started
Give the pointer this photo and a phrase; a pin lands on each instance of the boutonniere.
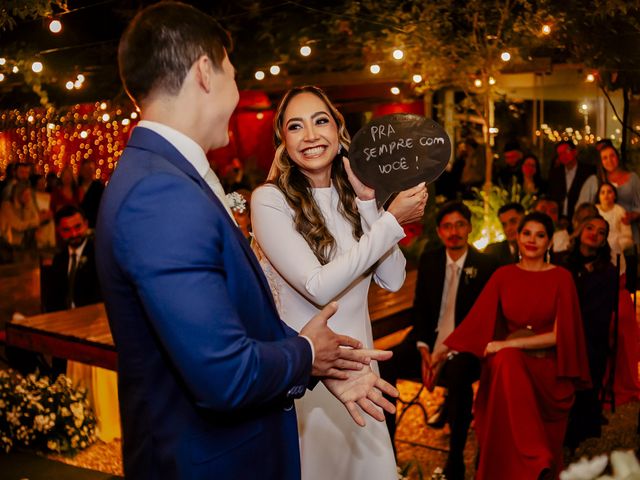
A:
(470, 273)
(237, 203)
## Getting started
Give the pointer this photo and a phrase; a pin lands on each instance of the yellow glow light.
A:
(84, 134)
(274, 70)
(505, 56)
(55, 26)
(259, 75)
(395, 90)
(80, 77)
(417, 78)
(375, 69)
(477, 82)
(30, 118)
(492, 81)
(1, 77)
(398, 54)
(126, 121)
(259, 115)
(15, 69)
(134, 115)
(77, 84)
(591, 78)
(36, 67)
(546, 29)
(305, 51)
(103, 106)
(3, 60)
(105, 117)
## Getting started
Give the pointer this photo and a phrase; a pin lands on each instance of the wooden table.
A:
(81, 334)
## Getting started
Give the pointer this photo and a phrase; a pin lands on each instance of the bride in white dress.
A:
(321, 238)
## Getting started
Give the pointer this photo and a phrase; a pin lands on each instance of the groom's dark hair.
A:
(161, 44)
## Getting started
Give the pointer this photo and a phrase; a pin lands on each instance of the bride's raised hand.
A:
(363, 192)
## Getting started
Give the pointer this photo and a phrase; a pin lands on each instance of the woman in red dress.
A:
(526, 325)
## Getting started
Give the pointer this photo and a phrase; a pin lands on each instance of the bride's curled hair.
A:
(297, 189)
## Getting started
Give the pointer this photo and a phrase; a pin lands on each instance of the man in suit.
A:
(71, 280)
(506, 251)
(567, 177)
(90, 191)
(207, 371)
(450, 278)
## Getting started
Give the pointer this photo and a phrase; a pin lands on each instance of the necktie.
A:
(72, 279)
(447, 322)
(212, 180)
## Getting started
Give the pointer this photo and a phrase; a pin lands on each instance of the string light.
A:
(305, 51)
(1, 77)
(37, 67)
(477, 82)
(55, 26)
(77, 84)
(259, 75)
(492, 81)
(3, 60)
(69, 85)
(375, 69)
(398, 54)
(274, 70)
(546, 29)
(417, 78)
(591, 78)
(15, 69)
(505, 56)
(395, 90)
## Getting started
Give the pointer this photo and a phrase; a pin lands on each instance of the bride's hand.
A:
(363, 192)
(363, 388)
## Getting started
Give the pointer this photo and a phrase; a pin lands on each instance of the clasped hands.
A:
(344, 367)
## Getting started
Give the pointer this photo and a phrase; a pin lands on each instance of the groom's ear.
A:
(203, 71)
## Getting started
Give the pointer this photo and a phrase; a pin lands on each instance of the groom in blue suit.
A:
(207, 370)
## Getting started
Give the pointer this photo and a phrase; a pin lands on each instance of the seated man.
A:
(450, 279)
(506, 251)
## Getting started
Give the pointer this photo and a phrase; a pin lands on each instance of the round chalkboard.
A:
(395, 152)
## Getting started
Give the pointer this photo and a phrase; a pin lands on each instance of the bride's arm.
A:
(291, 256)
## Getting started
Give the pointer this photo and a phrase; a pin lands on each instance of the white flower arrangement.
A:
(237, 203)
(624, 466)
(44, 415)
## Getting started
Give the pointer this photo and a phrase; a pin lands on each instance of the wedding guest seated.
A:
(526, 328)
(548, 206)
(450, 278)
(66, 193)
(506, 251)
(589, 260)
(19, 218)
(532, 182)
(510, 172)
(611, 169)
(90, 191)
(566, 179)
(620, 235)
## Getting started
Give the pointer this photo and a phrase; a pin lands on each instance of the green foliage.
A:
(13, 10)
(484, 211)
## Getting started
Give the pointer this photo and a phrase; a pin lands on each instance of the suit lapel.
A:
(146, 139)
(438, 275)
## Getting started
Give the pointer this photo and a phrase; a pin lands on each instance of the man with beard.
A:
(71, 280)
(450, 278)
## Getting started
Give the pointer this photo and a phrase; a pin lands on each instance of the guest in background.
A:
(566, 179)
(20, 218)
(19, 174)
(90, 191)
(321, 238)
(67, 192)
(627, 183)
(561, 238)
(46, 232)
(620, 235)
(582, 211)
(589, 260)
(450, 279)
(506, 251)
(526, 326)
(510, 172)
(532, 182)
(71, 279)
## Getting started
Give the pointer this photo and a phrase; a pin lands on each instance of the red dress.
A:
(523, 401)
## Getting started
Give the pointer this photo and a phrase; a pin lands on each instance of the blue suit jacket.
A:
(207, 370)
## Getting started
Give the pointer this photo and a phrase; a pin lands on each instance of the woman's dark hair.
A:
(613, 187)
(575, 260)
(538, 217)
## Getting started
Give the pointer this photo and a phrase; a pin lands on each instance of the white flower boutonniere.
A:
(237, 202)
(470, 273)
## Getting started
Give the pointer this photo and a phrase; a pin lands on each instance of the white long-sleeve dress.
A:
(332, 446)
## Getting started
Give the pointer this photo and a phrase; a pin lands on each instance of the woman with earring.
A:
(620, 236)
(589, 260)
(321, 238)
(526, 327)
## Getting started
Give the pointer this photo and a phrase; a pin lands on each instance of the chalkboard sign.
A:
(395, 152)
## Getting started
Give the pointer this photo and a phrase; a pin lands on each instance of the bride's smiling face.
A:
(310, 135)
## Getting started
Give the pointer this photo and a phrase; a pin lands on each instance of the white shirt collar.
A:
(78, 250)
(184, 144)
(460, 262)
